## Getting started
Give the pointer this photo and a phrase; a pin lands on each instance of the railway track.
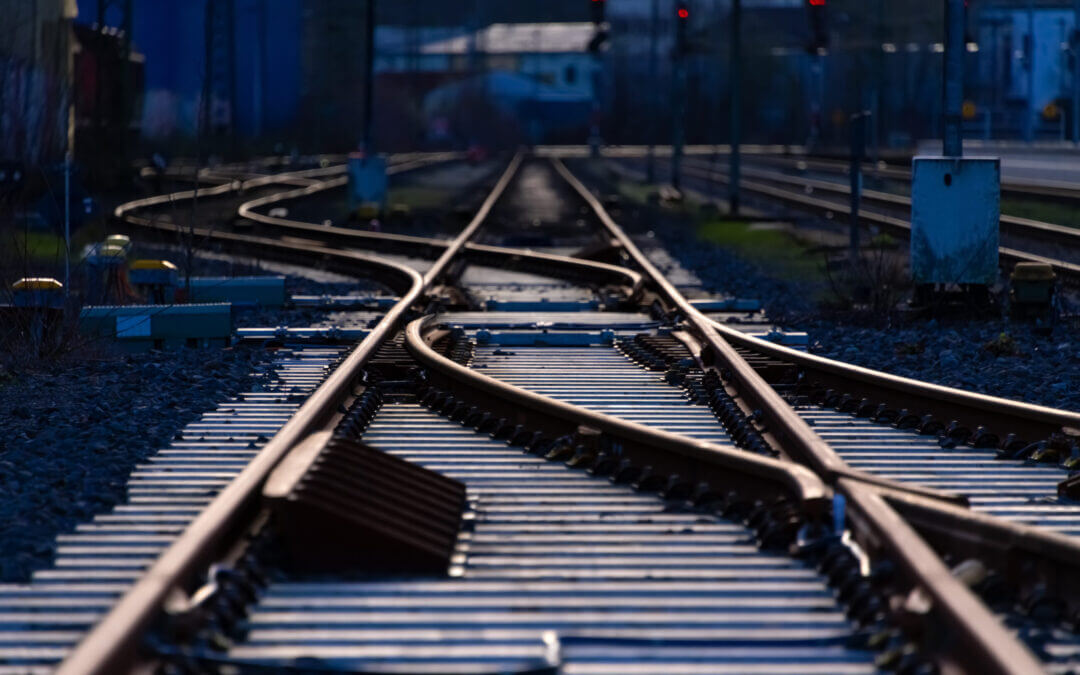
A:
(645, 495)
(1025, 240)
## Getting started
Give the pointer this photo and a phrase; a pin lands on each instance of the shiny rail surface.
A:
(803, 194)
(562, 571)
(112, 644)
(96, 564)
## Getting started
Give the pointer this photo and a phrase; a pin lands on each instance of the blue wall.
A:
(170, 34)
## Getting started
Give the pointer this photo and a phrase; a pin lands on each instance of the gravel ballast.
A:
(74, 428)
(73, 433)
(1010, 359)
(989, 356)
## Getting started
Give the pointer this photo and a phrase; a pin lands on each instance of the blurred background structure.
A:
(118, 80)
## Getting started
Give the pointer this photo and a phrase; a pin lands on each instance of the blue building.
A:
(171, 36)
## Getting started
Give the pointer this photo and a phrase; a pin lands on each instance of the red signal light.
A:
(684, 13)
(817, 3)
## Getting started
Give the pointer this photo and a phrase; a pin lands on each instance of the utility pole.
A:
(1029, 65)
(67, 219)
(736, 107)
(654, 58)
(878, 65)
(1074, 42)
(219, 85)
(858, 149)
(259, 89)
(682, 17)
(953, 145)
(69, 155)
(817, 48)
(368, 142)
(596, 44)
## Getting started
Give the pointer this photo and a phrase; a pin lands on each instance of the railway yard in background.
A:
(573, 337)
(500, 439)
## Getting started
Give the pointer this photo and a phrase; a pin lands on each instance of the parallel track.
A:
(891, 212)
(544, 528)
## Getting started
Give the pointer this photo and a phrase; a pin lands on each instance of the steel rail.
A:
(380, 241)
(794, 434)
(1031, 558)
(738, 470)
(521, 259)
(111, 646)
(225, 188)
(973, 641)
(477, 253)
(1069, 272)
(247, 210)
(985, 640)
(412, 244)
(1030, 421)
(310, 179)
(968, 407)
(1022, 227)
(1060, 191)
(1026, 419)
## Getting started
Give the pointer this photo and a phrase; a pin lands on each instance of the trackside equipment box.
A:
(38, 292)
(250, 291)
(141, 327)
(955, 213)
(367, 182)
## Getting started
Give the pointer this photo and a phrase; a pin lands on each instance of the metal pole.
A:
(369, 78)
(679, 94)
(259, 90)
(1029, 65)
(67, 222)
(877, 81)
(858, 148)
(736, 107)
(654, 58)
(69, 156)
(954, 78)
(1074, 43)
(679, 132)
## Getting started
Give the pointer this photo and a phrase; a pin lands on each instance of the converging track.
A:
(647, 490)
(820, 187)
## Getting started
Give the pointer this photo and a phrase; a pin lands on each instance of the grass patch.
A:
(44, 246)
(1047, 212)
(774, 248)
(416, 197)
(35, 246)
(637, 193)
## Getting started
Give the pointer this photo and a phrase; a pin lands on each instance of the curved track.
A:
(768, 491)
